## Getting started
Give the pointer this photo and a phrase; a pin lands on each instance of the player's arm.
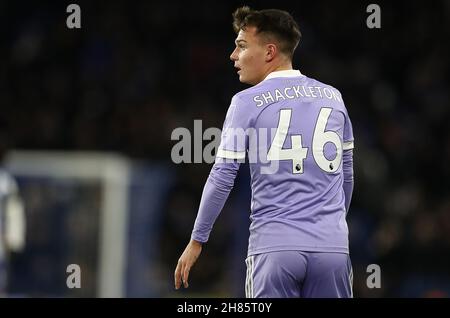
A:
(217, 188)
(348, 176)
(347, 161)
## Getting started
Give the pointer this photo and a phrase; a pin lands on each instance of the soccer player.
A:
(301, 175)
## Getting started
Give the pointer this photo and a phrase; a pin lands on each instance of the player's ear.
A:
(271, 51)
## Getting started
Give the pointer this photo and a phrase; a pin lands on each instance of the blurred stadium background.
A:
(86, 119)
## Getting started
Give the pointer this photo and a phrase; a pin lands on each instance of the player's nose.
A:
(233, 56)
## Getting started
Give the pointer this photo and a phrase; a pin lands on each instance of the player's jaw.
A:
(247, 75)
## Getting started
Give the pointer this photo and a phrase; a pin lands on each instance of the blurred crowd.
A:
(136, 71)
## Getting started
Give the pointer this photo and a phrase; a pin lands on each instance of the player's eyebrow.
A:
(237, 41)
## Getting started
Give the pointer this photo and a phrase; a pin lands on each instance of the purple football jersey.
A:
(296, 131)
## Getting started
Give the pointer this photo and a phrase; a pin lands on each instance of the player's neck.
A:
(284, 67)
(279, 67)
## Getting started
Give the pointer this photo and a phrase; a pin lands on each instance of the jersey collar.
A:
(286, 73)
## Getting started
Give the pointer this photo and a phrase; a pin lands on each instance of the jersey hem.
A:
(322, 249)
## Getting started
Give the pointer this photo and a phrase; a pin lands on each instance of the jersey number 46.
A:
(297, 153)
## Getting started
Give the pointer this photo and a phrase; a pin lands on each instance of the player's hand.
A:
(185, 263)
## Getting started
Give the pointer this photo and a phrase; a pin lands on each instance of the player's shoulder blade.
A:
(246, 95)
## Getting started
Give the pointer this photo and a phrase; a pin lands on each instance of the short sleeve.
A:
(348, 133)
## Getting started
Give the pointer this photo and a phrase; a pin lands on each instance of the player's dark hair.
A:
(271, 22)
